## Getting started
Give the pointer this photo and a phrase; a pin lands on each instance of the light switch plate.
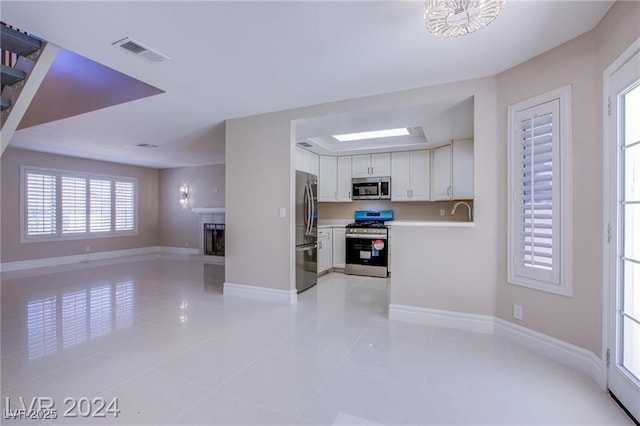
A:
(517, 311)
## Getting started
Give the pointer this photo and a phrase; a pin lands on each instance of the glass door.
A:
(623, 245)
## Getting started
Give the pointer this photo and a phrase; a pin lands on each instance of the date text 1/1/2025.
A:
(44, 408)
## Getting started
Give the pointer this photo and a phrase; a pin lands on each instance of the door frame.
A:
(610, 172)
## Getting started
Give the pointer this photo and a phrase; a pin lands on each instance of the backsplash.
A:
(414, 210)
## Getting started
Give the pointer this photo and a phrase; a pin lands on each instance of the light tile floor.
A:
(157, 334)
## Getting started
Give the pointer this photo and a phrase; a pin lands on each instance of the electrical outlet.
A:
(87, 249)
(186, 243)
(517, 311)
(441, 212)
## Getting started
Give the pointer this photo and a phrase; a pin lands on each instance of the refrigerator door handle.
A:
(307, 247)
(310, 209)
(306, 209)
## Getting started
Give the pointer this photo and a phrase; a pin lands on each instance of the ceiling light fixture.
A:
(452, 18)
(403, 131)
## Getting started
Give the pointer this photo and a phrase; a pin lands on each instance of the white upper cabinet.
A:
(452, 171)
(371, 165)
(441, 173)
(462, 170)
(327, 179)
(306, 161)
(344, 179)
(334, 179)
(410, 176)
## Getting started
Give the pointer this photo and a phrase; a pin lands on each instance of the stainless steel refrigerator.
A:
(306, 231)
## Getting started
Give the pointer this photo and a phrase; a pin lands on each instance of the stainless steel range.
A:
(367, 243)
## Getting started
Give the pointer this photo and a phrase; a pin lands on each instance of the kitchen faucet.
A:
(455, 206)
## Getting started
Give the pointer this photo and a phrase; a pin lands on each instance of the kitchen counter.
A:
(431, 223)
(331, 223)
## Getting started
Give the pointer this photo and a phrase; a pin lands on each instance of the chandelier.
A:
(452, 18)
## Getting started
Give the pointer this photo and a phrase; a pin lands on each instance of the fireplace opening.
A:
(214, 239)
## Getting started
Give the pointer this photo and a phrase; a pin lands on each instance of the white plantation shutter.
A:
(100, 205)
(40, 203)
(74, 204)
(537, 196)
(125, 206)
(70, 205)
(537, 186)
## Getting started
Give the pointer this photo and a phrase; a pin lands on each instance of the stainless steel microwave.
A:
(371, 188)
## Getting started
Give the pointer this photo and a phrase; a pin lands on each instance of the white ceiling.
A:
(234, 59)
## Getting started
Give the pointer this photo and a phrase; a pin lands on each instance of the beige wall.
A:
(455, 269)
(580, 63)
(13, 250)
(179, 226)
(259, 181)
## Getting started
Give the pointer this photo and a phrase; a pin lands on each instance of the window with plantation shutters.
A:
(125, 198)
(100, 205)
(539, 184)
(74, 205)
(68, 205)
(41, 203)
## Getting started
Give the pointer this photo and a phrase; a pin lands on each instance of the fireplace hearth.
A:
(214, 239)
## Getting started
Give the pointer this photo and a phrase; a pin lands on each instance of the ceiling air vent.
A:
(140, 49)
(305, 144)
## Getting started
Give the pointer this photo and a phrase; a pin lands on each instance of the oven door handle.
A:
(367, 236)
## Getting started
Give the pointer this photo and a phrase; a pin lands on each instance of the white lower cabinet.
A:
(325, 249)
(339, 247)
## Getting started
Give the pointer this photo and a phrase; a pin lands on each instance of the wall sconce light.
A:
(184, 195)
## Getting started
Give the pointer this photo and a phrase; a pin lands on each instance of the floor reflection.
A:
(84, 315)
(213, 278)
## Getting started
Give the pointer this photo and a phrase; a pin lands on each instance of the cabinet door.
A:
(322, 250)
(360, 165)
(381, 164)
(339, 247)
(344, 178)
(400, 176)
(329, 250)
(327, 189)
(462, 169)
(325, 249)
(441, 173)
(419, 170)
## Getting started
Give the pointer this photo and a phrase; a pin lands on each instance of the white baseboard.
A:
(67, 260)
(565, 353)
(289, 297)
(184, 251)
(212, 260)
(440, 318)
(87, 257)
